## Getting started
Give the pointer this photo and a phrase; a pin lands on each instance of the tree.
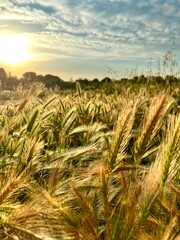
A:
(95, 83)
(12, 82)
(29, 77)
(3, 77)
(3, 74)
(52, 81)
(40, 78)
(106, 80)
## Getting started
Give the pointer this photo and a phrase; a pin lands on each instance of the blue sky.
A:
(84, 38)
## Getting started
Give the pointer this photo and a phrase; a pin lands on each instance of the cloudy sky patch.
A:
(93, 31)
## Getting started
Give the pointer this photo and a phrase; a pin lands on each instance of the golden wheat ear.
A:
(150, 126)
(170, 151)
(163, 171)
(122, 134)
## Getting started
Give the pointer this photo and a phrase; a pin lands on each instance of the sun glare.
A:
(13, 49)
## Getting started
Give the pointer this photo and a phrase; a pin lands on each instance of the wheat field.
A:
(88, 166)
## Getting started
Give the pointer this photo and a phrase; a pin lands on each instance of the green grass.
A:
(88, 166)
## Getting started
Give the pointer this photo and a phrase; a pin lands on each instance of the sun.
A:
(13, 49)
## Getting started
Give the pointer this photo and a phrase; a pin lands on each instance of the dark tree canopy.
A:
(106, 80)
(3, 74)
(51, 80)
(108, 85)
(29, 76)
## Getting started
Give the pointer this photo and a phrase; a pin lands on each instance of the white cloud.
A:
(95, 28)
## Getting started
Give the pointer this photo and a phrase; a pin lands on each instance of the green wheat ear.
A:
(122, 134)
(32, 121)
(170, 151)
(79, 89)
(150, 126)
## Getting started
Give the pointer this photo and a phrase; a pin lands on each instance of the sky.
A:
(93, 38)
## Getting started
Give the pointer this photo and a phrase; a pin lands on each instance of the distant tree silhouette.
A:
(29, 77)
(107, 85)
(3, 77)
(142, 79)
(3, 74)
(40, 78)
(12, 82)
(84, 83)
(95, 80)
(51, 81)
(135, 79)
(67, 85)
(95, 83)
(170, 79)
(106, 80)
(158, 79)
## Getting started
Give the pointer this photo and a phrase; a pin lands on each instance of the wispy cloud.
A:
(108, 29)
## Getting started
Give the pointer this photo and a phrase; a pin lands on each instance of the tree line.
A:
(10, 82)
